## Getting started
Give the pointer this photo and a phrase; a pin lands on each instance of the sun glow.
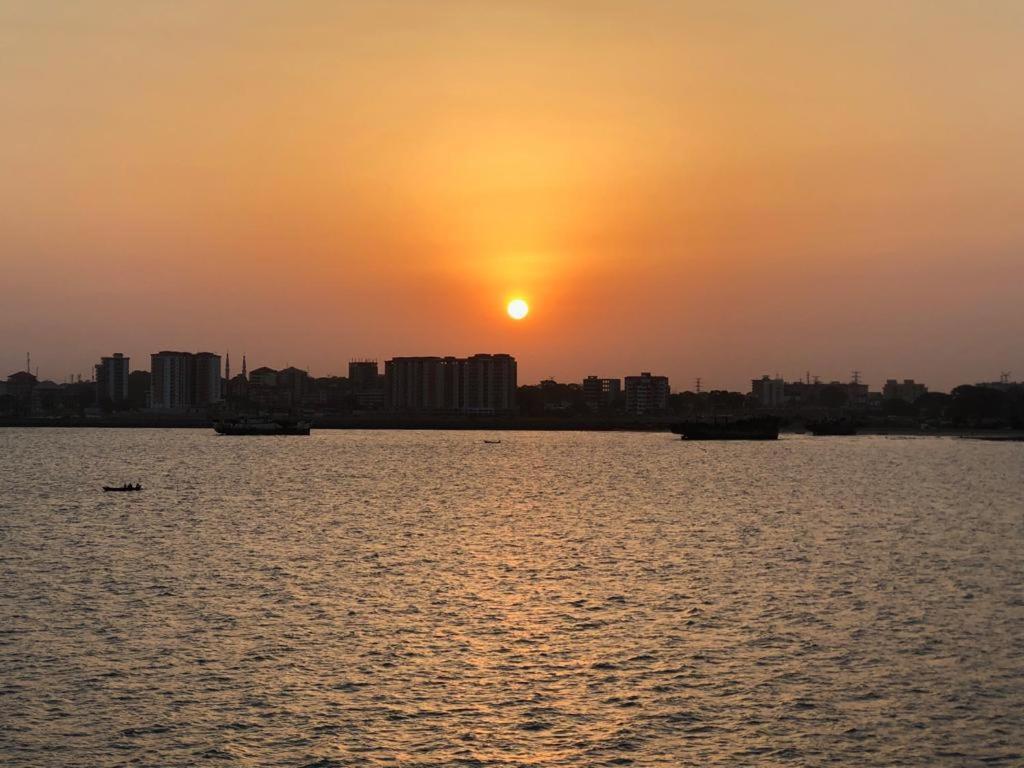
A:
(518, 309)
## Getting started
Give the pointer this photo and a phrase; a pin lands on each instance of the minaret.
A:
(28, 362)
(227, 367)
(244, 376)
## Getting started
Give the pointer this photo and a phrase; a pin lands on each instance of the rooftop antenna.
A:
(1004, 377)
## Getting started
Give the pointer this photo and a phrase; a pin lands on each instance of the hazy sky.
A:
(715, 189)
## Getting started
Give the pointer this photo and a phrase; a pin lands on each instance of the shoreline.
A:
(404, 423)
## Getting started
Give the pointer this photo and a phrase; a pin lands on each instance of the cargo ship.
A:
(261, 425)
(758, 428)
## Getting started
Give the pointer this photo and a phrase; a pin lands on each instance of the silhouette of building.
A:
(263, 377)
(646, 394)
(857, 394)
(366, 384)
(46, 397)
(600, 393)
(208, 385)
(112, 379)
(139, 389)
(481, 384)
(262, 387)
(769, 392)
(294, 387)
(430, 384)
(362, 374)
(182, 380)
(20, 386)
(489, 384)
(171, 380)
(908, 390)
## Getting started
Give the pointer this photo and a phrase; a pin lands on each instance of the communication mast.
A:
(855, 377)
(697, 383)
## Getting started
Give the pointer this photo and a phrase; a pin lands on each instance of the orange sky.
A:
(714, 189)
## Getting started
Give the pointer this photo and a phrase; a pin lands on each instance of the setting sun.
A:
(518, 309)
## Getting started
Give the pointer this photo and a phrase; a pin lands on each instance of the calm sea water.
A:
(424, 599)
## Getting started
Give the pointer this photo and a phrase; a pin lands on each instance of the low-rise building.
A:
(599, 393)
(907, 390)
(769, 392)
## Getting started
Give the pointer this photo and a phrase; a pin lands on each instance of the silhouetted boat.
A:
(123, 488)
(757, 428)
(832, 427)
(261, 425)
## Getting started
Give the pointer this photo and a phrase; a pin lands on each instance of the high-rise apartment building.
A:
(180, 380)
(171, 380)
(488, 384)
(207, 380)
(365, 384)
(479, 384)
(112, 379)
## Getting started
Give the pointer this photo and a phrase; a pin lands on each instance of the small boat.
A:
(126, 488)
(493, 442)
(757, 428)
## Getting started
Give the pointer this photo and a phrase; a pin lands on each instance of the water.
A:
(424, 599)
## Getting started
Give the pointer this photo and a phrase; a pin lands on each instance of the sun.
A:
(518, 309)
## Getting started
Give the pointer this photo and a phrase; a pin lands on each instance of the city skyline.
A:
(692, 383)
(687, 382)
(709, 189)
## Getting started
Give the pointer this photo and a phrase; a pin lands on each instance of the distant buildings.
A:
(601, 393)
(1003, 385)
(139, 390)
(182, 380)
(171, 380)
(366, 384)
(112, 379)
(263, 377)
(908, 390)
(294, 387)
(489, 384)
(481, 384)
(19, 389)
(769, 392)
(206, 379)
(646, 394)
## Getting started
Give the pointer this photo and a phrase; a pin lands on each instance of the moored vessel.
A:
(262, 425)
(756, 428)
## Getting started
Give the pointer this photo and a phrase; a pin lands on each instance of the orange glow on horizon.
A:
(655, 183)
